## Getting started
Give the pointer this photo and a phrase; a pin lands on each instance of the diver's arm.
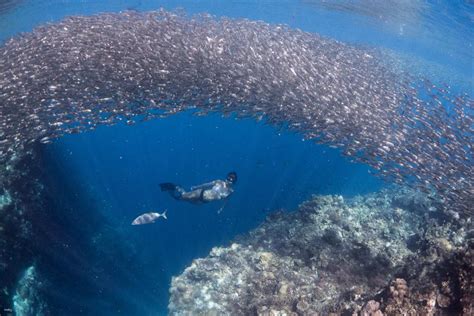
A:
(204, 185)
(223, 205)
(226, 200)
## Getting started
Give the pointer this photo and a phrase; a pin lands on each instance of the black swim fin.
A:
(167, 186)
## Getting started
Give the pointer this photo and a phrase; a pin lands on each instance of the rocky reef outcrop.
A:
(28, 299)
(20, 196)
(388, 253)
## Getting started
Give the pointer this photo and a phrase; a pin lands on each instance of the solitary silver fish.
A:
(148, 218)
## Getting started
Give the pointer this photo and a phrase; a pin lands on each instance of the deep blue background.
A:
(107, 177)
(116, 172)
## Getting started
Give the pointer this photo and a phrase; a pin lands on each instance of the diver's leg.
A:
(174, 190)
(192, 196)
(167, 186)
(178, 193)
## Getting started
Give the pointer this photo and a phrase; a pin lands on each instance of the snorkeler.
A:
(207, 192)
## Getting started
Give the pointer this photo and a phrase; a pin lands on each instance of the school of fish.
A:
(87, 71)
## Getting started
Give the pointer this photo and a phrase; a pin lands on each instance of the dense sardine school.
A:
(88, 71)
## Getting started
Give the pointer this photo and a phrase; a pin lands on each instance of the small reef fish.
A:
(376, 110)
(148, 218)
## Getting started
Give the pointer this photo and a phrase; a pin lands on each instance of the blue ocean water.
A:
(116, 171)
(105, 178)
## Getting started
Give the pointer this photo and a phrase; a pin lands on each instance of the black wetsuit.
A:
(208, 192)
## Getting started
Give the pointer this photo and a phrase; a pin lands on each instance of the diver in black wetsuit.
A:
(207, 192)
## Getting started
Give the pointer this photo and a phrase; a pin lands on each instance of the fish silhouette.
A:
(148, 218)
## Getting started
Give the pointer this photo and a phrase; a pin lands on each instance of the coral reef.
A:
(5, 199)
(387, 253)
(20, 196)
(27, 299)
(441, 285)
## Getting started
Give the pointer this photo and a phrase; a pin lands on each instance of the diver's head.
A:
(231, 177)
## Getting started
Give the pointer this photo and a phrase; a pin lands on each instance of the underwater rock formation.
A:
(438, 286)
(27, 300)
(86, 71)
(20, 196)
(337, 256)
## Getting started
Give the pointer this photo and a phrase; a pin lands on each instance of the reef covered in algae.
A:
(390, 253)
